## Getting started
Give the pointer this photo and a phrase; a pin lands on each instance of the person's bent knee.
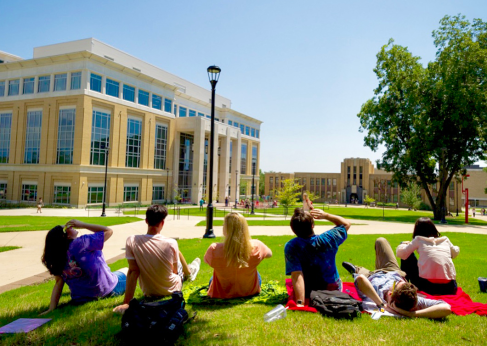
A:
(381, 241)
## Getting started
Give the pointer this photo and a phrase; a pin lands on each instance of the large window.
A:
(33, 137)
(185, 176)
(128, 93)
(65, 136)
(160, 147)
(134, 141)
(143, 98)
(13, 87)
(75, 80)
(167, 105)
(44, 84)
(60, 81)
(242, 128)
(2, 88)
(247, 130)
(157, 193)
(28, 87)
(62, 195)
(192, 113)
(243, 161)
(95, 82)
(257, 133)
(100, 137)
(182, 112)
(254, 159)
(3, 191)
(5, 130)
(252, 132)
(95, 194)
(112, 88)
(130, 193)
(29, 192)
(156, 101)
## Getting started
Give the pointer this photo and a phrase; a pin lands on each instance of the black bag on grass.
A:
(160, 321)
(335, 304)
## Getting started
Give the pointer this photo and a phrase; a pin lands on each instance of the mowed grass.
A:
(267, 223)
(8, 248)
(44, 223)
(95, 323)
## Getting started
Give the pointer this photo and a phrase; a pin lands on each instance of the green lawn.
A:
(8, 248)
(43, 223)
(95, 324)
(263, 223)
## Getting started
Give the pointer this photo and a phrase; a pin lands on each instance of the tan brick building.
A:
(61, 110)
(358, 177)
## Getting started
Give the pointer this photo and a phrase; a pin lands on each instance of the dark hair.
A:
(425, 228)
(55, 250)
(302, 223)
(155, 214)
(405, 297)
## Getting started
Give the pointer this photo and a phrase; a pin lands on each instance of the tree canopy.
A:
(431, 120)
(289, 193)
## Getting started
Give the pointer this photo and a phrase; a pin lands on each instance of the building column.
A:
(224, 178)
(215, 164)
(236, 161)
(175, 164)
(198, 161)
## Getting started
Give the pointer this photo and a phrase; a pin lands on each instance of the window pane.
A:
(44, 83)
(128, 93)
(60, 81)
(156, 102)
(100, 137)
(182, 112)
(13, 87)
(95, 82)
(134, 141)
(160, 147)
(65, 141)
(2, 88)
(112, 87)
(143, 97)
(167, 105)
(33, 137)
(5, 131)
(28, 86)
(192, 113)
(75, 80)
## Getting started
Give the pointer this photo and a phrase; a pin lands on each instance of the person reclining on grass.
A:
(156, 261)
(235, 261)
(79, 262)
(310, 258)
(388, 289)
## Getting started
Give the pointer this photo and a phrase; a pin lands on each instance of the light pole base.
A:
(209, 234)
(103, 215)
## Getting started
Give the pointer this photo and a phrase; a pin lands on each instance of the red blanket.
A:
(460, 303)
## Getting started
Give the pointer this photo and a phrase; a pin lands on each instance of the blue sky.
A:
(303, 68)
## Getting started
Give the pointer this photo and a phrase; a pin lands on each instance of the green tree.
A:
(368, 200)
(431, 120)
(261, 182)
(409, 195)
(312, 196)
(289, 193)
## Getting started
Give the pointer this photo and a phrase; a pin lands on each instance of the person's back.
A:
(156, 256)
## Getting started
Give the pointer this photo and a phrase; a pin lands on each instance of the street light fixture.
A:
(213, 76)
(104, 146)
(253, 187)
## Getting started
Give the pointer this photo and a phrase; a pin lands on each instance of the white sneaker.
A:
(194, 268)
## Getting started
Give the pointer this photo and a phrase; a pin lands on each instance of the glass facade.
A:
(130, 193)
(185, 177)
(182, 112)
(112, 88)
(44, 84)
(62, 195)
(100, 137)
(33, 137)
(60, 81)
(158, 193)
(28, 87)
(95, 82)
(5, 131)
(3, 191)
(29, 192)
(143, 98)
(243, 161)
(75, 80)
(95, 194)
(167, 105)
(65, 136)
(128, 93)
(134, 141)
(13, 87)
(254, 159)
(160, 147)
(192, 113)
(156, 102)
(2, 88)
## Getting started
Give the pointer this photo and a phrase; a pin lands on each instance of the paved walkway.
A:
(23, 266)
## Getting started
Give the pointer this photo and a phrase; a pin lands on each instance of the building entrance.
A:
(354, 198)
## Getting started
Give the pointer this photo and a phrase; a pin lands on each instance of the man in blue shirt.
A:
(310, 258)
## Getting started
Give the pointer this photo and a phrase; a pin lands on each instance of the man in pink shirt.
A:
(155, 261)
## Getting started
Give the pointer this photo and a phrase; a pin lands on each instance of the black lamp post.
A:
(236, 187)
(103, 146)
(213, 75)
(253, 187)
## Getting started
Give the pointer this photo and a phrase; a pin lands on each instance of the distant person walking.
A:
(226, 201)
(40, 204)
(202, 201)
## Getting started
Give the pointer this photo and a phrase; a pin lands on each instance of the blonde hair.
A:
(237, 246)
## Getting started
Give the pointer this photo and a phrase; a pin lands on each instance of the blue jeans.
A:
(258, 275)
(119, 289)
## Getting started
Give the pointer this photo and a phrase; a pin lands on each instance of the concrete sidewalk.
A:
(23, 266)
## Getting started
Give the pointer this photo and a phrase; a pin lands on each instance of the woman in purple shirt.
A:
(79, 262)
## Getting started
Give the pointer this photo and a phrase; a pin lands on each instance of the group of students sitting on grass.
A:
(160, 268)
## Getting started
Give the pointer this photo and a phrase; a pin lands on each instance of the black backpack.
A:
(162, 320)
(335, 304)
